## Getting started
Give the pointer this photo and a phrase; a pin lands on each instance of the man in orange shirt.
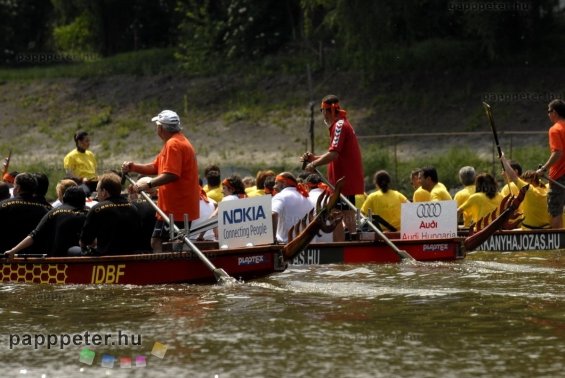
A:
(556, 163)
(177, 176)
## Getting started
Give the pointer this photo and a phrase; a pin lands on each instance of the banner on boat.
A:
(245, 222)
(428, 220)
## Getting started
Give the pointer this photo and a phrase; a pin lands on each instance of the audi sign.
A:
(428, 220)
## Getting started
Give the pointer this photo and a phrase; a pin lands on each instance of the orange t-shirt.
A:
(183, 195)
(557, 143)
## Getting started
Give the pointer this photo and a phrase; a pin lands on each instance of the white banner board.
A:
(428, 220)
(245, 221)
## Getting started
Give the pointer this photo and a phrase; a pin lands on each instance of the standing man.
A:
(177, 176)
(556, 163)
(343, 158)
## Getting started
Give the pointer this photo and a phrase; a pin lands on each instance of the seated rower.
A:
(289, 205)
(484, 201)
(113, 225)
(534, 205)
(430, 182)
(60, 189)
(146, 211)
(60, 228)
(467, 178)
(21, 214)
(385, 202)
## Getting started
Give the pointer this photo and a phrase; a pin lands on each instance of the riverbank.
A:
(256, 120)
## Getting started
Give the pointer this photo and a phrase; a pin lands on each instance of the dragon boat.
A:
(247, 262)
(184, 266)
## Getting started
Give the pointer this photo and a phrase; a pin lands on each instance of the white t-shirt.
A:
(291, 207)
(313, 198)
(231, 197)
(206, 209)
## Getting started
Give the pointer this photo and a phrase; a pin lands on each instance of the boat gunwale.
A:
(149, 256)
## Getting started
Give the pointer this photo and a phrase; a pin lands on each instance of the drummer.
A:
(80, 163)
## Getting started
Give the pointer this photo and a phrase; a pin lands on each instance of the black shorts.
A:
(556, 197)
(161, 230)
(341, 205)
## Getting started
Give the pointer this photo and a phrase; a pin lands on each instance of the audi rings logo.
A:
(428, 210)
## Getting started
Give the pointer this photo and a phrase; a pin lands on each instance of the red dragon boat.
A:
(240, 263)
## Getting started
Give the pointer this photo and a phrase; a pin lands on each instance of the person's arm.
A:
(162, 179)
(25, 243)
(322, 160)
(144, 169)
(275, 224)
(553, 158)
(510, 173)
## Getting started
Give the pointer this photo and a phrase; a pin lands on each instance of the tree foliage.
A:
(366, 34)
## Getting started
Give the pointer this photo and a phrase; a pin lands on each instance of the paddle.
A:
(556, 183)
(402, 254)
(490, 117)
(221, 276)
(6, 164)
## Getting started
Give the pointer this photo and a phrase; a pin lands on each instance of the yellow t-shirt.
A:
(256, 193)
(360, 200)
(439, 193)
(534, 207)
(462, 196)
(387, 205)
(509, 188)
(80, 164)
(250, 189)
(421, 195)
(215, 193)
(479, 205)
(512, 188)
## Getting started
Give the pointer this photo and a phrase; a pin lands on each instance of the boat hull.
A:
(144, 269)
(524, 240)
(378, 252)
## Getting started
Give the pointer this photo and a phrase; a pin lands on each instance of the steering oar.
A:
(402, 254)
(221, 276)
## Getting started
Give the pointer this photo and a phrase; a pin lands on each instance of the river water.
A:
(492, 314)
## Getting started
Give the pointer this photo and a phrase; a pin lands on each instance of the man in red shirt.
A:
(556, 163)
(177, 176)
(343, 156)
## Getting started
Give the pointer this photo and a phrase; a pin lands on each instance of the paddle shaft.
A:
(220, 274)
(7, 164)
(556, 183)
(490, 117)
(402, 254)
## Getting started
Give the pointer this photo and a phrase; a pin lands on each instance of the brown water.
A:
(491, 315)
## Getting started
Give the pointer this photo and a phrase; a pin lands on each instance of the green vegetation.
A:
(241, 74)
(138, 63)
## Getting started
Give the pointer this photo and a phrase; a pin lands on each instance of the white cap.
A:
(168, 119)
